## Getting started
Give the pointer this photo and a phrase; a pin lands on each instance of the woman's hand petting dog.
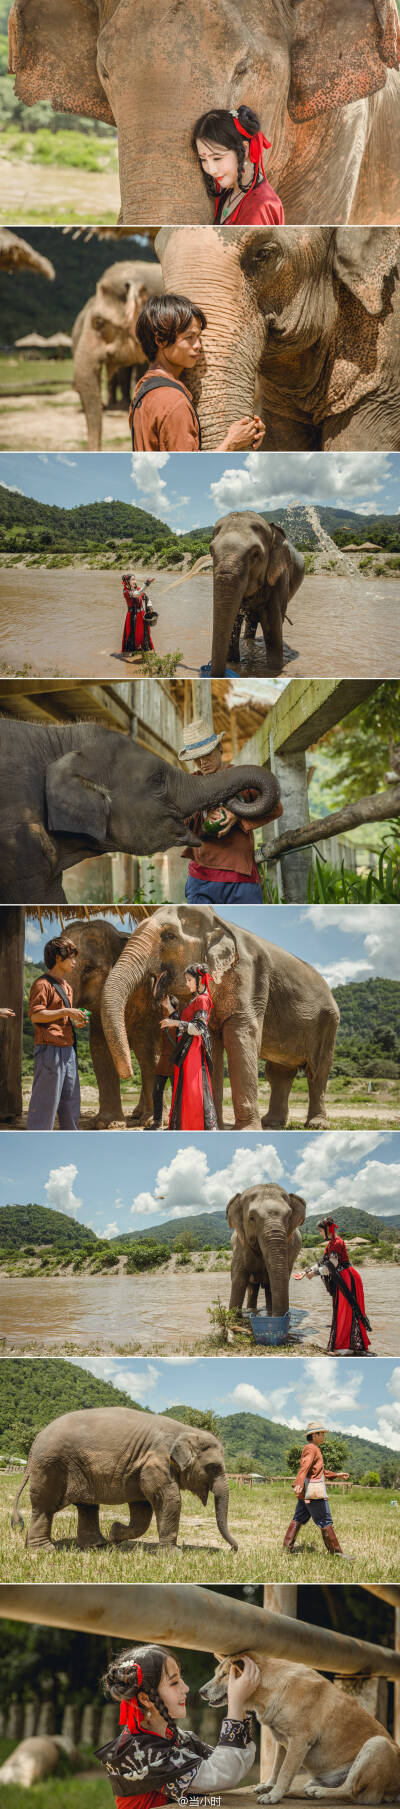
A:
(241, 1685)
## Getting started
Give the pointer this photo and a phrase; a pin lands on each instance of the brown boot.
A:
(291, 1535)
(332, 1544)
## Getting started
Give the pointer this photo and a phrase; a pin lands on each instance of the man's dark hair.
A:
(57, 947)
(218, 127)
(162, 318)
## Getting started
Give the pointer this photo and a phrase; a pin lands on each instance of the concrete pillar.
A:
(46, 1722)
(14, 1721)
(30, 1717)
(70, 1723)
(279, 1598)
(109, 1723)
(199, 698)
(291, 773)
(88, 1733)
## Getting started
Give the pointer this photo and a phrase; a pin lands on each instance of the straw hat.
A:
(315, 1426)
(200, 739)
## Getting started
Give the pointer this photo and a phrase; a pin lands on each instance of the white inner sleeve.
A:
(224, 1769)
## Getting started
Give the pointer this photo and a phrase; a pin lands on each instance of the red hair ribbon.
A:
(130, 1712)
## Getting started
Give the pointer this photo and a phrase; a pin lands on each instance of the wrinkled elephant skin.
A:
(256, 572)
(105, 334)
(113, 1454)
(323, 76)
(266, 1241)
(309, 319)
(72, 790)
(266, 1003)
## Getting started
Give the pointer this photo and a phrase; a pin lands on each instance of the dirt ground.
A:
(335, 622)
(39, 193)
(116, 1313)
(56, 423)
(352, 1109)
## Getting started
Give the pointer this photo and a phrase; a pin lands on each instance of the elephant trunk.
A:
(197, 791)
(276, 1261)
(221, 1498)
(205, 266)
(227, 600)
(87, 380)
(130, 971)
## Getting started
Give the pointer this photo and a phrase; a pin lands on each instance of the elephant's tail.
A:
(16, 1517)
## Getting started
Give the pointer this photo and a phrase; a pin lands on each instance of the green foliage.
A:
(371, 1479)
(361, 742)
(327, 884)
(27, 1227)
(146, 1256)
(193, 1416)
(26, 306)
(369, 1009)
(32, 1394)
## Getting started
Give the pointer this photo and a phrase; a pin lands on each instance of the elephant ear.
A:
(299, 1208)
(53, 54)
(181, 1453)
(341, 50)
(364, 259)
(277, 563)
(222, 952)
(77, 803)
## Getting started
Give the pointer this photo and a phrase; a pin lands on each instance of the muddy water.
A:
(339, 626)
(169, 1312)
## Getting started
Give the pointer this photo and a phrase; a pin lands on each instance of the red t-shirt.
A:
(260, 207)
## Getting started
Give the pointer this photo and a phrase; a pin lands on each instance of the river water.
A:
(166, 1311)
(69, 622)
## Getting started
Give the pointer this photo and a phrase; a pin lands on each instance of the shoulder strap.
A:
(158, 382)
(57, 987)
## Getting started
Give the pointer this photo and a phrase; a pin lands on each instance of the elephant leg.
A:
(280, 1081)
(39, 1529)
(168, 1513)
(241, 1044)
(239, 1278)
(88, 1532)
(253, 1289)
(294, 1246)
(110, 1102)
(272, 618)
(250, 624)
(318, 1074)
(234, 644)
(218, 1079)
(140, 1515)
(143, 1111)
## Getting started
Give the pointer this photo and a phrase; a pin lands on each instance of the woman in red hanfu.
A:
(349, 1326)
(152, 1760)
(136, 636)
(192, 1106)
(230, 148)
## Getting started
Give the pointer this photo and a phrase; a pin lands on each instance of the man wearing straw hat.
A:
(223, 870)
(312, 1499)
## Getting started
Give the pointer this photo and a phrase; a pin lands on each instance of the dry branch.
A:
(381, 806)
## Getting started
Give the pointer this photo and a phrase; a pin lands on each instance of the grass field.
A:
(352, 1103)
(366, 1525)
(19, 375)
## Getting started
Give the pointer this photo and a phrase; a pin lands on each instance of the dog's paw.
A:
(312, 1789)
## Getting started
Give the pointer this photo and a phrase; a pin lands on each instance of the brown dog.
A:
(347, 1752)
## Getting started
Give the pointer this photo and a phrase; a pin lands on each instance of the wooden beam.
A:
(196, 1618)
(305, 711)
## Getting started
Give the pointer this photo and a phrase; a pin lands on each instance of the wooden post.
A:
(280, 1598)
(12, 942)
(291, 773)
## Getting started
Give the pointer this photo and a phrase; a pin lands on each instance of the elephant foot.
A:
(319, 1123)
(110, 1124)
(91, 1544)
(42, 1545)
(273, 1123)
(118, 1533)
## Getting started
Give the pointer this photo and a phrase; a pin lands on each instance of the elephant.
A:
(74, 789)
(266, 1241)
(307, 320)
(100, 946)
(105, 334)
(323, 76)
(113, 1454)
(16, 254)
(256, 571)
(267, 1004)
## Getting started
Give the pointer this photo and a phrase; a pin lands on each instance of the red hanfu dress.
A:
(193, 1106)
(349, 1325)
(136, 634)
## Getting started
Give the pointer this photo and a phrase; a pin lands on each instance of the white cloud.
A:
(13, 488)
(109, 499)
(278, 478)
(185, 1185)
(33, 936)
(111, 1230)
(245, 1395)
(321, 1156)
(62, 459)
(137, 1383)
(146, 475)
(342, 971)
(376, 929)
(60, 1189)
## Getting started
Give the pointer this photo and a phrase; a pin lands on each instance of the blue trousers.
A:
(55, 1089)
(318, 1511)
(207, 891)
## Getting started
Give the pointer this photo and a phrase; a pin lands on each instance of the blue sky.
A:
(358, 1398)
(188, 493)
(120, 1183)
(345, 942)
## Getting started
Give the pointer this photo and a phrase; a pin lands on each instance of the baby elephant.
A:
(256, 572)
(347, 1753)
(114, 1454)
(266, 1225)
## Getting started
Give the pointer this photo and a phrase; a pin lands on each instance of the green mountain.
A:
(212, 1229)
(344, 525)
(74, 528)
(38, 1225)
(353, 1222)
(32, 1394)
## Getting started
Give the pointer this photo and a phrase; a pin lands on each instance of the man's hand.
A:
(248, 432)
(77, 1017)
(5, 1012)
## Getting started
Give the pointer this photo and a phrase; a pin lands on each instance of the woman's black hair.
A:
(120, 1681)
(198, 973)
(218, 127)
(162, 318)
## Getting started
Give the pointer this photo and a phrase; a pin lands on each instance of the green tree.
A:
(361, 743)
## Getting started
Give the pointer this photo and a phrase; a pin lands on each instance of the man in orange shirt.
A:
(56, 1086)
(312, 1498)
(222, 869)
(162, 414)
